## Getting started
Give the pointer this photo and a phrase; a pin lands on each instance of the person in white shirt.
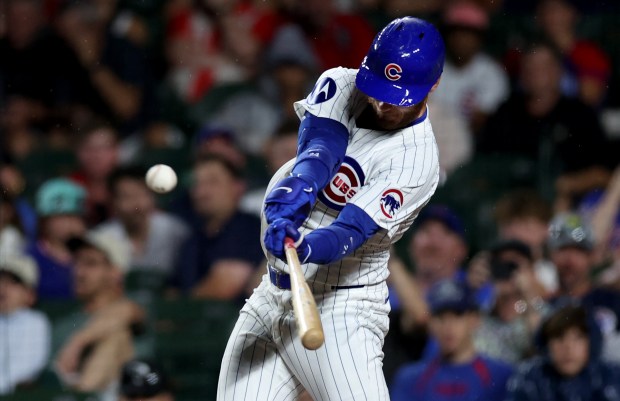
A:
(472, 82)
(155, 236)
(24, 333)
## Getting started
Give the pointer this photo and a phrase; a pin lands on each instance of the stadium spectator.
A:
(12, 184)
(36, 67)
(289, 71)
(587, 68)
(153, 235)
(25, 344)
(571, 245)
(453, 135)
(561, 135)
(97, 153)
(458, 372)
(60, 205)
(143, 380)
(221, 255)
(523, 215)
(12, 239)
(505, 332)
(92, 344)
(602, 210)
(338, 39)
(116, 80)
(472, 82)
(570, 367)
(438, 250)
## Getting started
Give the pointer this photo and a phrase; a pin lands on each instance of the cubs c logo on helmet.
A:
(391, 201)
(393, 71)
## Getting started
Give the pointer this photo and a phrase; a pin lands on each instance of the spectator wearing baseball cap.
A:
(571, 246)
(458, 372)
(439, 249)
(472, 82)
(25, 338)
(92, 344)
(143, 380)
(60, 206)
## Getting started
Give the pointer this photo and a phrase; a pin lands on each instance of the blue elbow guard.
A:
(347, 233)
(322, 147)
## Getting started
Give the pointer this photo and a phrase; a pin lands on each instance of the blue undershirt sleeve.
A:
(321, 148)
(348, 232)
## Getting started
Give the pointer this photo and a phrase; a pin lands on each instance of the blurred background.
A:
(103, 282)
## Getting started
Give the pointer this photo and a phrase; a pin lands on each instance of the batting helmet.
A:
(404, 62)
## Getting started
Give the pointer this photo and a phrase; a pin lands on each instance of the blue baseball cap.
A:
(451, 296)
(444, 215)
(60, 196)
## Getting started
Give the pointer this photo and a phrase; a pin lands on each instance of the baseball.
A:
(161, 178)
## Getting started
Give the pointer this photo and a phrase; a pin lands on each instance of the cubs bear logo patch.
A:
(391, 201)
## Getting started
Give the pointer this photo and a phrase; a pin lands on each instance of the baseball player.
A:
(367, 162)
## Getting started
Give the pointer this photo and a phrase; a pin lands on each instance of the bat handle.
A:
(289, 243)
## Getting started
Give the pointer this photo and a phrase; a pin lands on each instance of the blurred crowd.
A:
(506, 288)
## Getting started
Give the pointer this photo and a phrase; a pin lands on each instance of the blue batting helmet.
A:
(404, 62)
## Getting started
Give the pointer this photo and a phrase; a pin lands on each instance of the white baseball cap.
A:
(117, 251)
(21, 266)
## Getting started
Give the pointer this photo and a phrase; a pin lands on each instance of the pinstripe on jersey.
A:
(391, 175)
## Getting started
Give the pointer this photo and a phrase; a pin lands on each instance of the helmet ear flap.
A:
(404, 62)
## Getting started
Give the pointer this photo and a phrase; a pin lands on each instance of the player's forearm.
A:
(348, 232)
(321, 150)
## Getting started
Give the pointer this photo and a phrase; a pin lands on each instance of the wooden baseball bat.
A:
(309, 323)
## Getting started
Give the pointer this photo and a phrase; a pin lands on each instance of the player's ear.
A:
(435, 86)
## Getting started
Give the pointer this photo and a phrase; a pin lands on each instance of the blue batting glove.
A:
(277, 232)
(292, 198)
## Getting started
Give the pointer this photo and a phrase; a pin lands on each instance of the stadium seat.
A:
(190, 338)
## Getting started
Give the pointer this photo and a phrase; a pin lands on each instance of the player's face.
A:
(392, 117)
(453, 331)
(570, 352)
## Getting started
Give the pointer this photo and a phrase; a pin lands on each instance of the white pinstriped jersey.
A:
(391, 175)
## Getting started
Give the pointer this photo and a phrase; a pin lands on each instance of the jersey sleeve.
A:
(403, 184)
(330, 97)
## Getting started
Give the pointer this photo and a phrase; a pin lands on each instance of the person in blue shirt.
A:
(60, 205)
(570, 366)
(458, 372)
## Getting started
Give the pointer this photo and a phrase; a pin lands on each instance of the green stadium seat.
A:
(190, 338)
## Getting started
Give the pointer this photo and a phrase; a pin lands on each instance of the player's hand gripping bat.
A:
(308, 321)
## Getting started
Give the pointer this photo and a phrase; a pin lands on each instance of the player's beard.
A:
(390, 117)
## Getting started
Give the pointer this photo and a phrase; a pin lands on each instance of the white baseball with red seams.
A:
(161, 178)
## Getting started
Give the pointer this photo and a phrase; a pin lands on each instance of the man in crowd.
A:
(221, 255)
(60, 205)
(458, 372)
(154, 236)
(25, 338)
(95, 342)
